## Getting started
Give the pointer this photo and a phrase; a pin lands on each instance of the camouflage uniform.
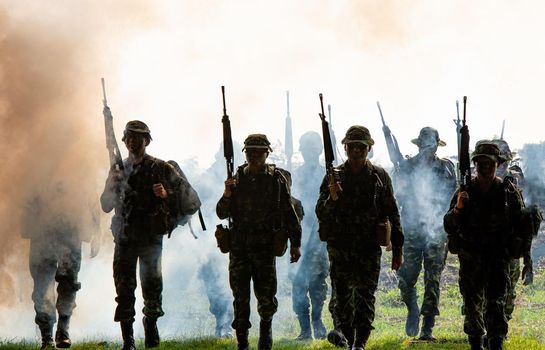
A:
(55, 256)
(481, 234)
(309, 282)
(513, 173)
(423, 188)
(253, 210)
(140, 221)
(354, 252)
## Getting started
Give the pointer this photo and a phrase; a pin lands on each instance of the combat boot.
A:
(428, 322)
(336, 337)
(362, 335)
(476, 342)
(151, 333)
(128, 335)
(348, 333)
(47, 338)
(62, 338)
(320, 332)
(265, 335)
(413, 319)
(304, 323)
(495, 343)
(242, 339)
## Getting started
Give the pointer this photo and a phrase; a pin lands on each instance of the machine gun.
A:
(391, 142)
(116, 162)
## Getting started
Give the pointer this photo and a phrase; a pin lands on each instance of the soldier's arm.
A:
(391, 210)
(325, 206)
(108, 198)
(223, 208)
(292, 221)
(451, 220)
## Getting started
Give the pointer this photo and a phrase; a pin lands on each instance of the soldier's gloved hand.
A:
(334, 188)
(115, 176)
(160, 191)
(229, 184)
(295, 254)
(527, 275)
(462, 199)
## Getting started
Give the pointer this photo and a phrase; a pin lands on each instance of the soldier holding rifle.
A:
(356, 203)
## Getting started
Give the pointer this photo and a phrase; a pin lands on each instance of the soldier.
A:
(308, 284)
(56, 231)
(349, 212)
(424, 185)
(257, 201)
(145, 196)
(481, 228)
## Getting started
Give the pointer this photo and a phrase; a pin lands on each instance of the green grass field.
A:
(527, 328)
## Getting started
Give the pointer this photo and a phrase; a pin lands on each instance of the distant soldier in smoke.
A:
(482, 227)
(349, 210)
(309, 282)
(257, 201)
(56, 225)
(424, 185)
(147, 196)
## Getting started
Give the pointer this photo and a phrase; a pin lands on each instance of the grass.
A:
(527, 328)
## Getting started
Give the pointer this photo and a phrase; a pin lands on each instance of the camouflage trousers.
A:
(419, 250)
(514, 275)
(217, 292)
(484, 280)
(309, 285)
(354, 278)
(126, 258)
(252, 259)
(51, 262)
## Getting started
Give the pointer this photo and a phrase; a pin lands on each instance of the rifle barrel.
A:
(381, 116)
(322, 105)
(104, 101)
(223, 96)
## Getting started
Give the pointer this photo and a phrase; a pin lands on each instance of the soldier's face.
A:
(256, 156)
(486, 167)
(135, 142)
(356, 151)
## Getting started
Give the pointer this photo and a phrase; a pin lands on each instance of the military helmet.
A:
(505, 151)
(428, 136)
(258, 141)
(136, 126)
(488, 149)
(311, 140)
(358, 134)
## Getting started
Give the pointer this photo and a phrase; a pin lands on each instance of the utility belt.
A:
(343, 232)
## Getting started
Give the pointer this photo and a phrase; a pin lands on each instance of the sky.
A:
(165, 61)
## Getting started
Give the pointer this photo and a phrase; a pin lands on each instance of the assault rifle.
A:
(463, 155)
(111, 144)
(328, 146)
(288, 140)
(391, 142)
(227, 139)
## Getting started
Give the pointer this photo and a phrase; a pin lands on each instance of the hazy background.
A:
(164, 63)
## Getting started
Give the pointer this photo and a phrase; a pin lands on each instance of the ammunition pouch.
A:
(384, 232)
(280, 242)
(223, 238)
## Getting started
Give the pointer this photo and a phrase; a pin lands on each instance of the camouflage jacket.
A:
(366, 198)
(489, 219)
(423, 190)
(261, 203)
(141, 217)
